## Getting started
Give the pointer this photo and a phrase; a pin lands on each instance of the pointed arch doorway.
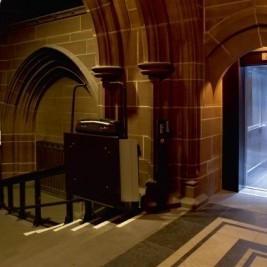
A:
(244, 124)
(37, 73)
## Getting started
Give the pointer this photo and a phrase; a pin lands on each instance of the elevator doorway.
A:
(255, 91)
(245, 124)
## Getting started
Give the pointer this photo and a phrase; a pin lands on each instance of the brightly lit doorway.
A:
(245, 124)
(255, 88)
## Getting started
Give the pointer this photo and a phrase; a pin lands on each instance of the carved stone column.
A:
(158, 71)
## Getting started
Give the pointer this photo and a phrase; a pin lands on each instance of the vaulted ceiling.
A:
(14, 11)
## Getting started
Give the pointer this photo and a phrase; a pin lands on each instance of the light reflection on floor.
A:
(254, 191)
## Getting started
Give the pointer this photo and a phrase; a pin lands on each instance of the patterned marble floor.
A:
(215, 235)
(223, 243)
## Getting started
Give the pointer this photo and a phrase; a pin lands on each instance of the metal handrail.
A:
(35, 176)
(32, 176)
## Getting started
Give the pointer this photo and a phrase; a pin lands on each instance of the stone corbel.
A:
(108, 73)
(156, 70)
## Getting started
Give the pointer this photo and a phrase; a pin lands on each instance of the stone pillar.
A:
(158, 71)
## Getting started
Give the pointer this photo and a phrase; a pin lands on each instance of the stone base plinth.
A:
(193, 197)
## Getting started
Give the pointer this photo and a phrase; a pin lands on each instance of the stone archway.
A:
(32, 79)
(227, 40)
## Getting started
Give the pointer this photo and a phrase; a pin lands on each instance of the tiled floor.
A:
(223, 243)
(225, 232)
(231, 230)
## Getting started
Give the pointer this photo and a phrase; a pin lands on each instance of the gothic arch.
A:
(110, 19)
(232, 38)
(172, 31)
(157, 41)
(34, 76)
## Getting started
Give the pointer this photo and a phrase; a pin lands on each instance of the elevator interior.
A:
(255, 86)
(244, 124)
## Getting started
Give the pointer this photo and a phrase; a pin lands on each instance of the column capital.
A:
(108, 73)
(156, 70)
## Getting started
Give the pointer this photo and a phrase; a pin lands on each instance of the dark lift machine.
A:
(101, 164)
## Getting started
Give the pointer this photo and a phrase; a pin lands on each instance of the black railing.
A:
(36, 177)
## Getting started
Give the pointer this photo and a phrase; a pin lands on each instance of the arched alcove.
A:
(37, 73)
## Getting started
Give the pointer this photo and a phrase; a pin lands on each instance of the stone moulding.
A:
(156, 70)
(108, 73)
